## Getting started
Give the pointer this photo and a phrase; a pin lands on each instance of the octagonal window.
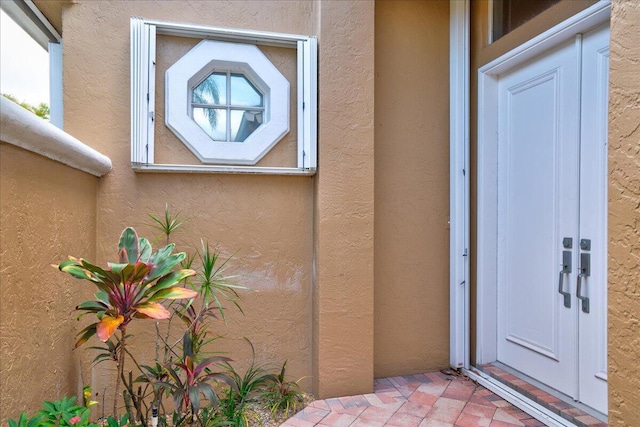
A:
(227, 106)
(227, 102)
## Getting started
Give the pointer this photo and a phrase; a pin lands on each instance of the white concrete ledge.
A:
(28, 131)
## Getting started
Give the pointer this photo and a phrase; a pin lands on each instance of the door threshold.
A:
(570, 417)
(544, 395)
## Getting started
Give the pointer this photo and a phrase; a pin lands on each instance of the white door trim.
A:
(486, 343)
(459, 184)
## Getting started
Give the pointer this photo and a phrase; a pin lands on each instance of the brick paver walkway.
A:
(424, 400)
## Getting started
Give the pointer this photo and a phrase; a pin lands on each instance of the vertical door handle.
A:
(585, 271)
(567, 242)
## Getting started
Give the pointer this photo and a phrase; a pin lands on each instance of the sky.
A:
(24, 65)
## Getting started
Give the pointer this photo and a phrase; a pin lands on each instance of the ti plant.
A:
(132, 287)
(189, 378)
(284, 395)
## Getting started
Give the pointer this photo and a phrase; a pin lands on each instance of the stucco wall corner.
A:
(344, 194)
(624, 215)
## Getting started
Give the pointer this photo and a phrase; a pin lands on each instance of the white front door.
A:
(551, 209)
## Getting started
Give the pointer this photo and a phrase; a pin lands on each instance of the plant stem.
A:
(157, 340)
(120, 366)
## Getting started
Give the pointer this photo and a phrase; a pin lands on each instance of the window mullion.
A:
(228, 106)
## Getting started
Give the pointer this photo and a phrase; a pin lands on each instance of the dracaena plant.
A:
(133, 287)
(189, 378)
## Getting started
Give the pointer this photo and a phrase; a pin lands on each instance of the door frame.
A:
(486, 320)
(459, 122)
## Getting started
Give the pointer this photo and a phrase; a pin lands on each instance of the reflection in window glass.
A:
(510, 14)
(243, 123)
(213, 121)
(243, 93)
(225, 121)
(212, 90)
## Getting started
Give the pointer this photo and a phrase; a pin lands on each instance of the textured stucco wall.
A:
(47, 212)
(265, 220)
(343, 295)
(411, 187)
(624, 215)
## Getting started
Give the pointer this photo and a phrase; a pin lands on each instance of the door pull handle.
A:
(585, 271)
(566, 268)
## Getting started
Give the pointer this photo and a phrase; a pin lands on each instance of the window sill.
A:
(28, 131)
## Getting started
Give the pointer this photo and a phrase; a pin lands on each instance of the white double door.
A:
(552, 216)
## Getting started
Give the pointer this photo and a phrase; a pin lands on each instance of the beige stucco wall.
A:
(47, 212)
(624, 215)
(411, 187)
(294, 238)
(344, 197)
(265, 220)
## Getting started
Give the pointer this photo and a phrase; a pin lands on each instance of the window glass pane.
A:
(510, 14)
(212, 90)
(25, 66)
(213, 121)
(244, 123)
(243, 94)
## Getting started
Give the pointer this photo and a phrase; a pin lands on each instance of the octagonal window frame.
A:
(143, 50)
(211, 56)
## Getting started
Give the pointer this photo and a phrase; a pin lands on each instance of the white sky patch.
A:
(24, 64)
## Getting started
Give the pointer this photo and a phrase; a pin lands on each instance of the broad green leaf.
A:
(187, 345)
(204, 363)
(129, 246)
(153, 310)
(108, 326)
(176, 292)
(116, 268)
(145, 249)
(194, 396)
(162, 253)
(76, 271)
(34, 422)
(170, 280)
(209, 393)
(165, 265)
(48, 406)
(93, 306)
(103, 297)
(103, 274)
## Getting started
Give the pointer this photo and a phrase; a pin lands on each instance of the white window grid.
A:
(228, 106)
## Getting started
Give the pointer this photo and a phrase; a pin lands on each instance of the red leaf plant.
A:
(133, 287)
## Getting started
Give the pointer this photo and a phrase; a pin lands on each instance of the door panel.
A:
(538, 122)
(552, 184)
(593, 217)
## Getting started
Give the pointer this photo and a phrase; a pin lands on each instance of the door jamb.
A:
(459, 184)
(486, 344)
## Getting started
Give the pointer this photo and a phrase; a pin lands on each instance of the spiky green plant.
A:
(284, 395)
